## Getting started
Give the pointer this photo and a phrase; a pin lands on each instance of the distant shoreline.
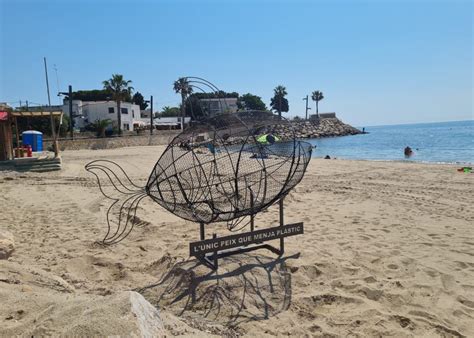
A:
(409, 124)
(456, 164)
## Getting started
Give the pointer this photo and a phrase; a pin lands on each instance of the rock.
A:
(36, 302)
(7, 244)
(54, 314)
(126, 313)
(326, 127)
(148, 318)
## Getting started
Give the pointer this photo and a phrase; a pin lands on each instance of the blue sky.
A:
(377, 62)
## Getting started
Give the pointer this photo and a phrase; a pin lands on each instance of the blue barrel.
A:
(33, 138)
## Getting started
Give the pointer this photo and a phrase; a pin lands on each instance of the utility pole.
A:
(306, 113)
(47, 82)
(71, 122)
(27, 118)
(51, 118)
(151, 115)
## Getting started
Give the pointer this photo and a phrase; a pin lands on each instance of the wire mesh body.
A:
(229, 166)
(219, 169)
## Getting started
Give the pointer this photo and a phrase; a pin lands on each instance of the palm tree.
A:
(317, 96)
(99, 126)
(182, 86)
(279, 102)
(120, 90)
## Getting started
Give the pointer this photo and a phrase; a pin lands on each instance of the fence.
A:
(158, 138)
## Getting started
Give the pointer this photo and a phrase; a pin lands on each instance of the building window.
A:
(111, 110)
(133, 113)
(124, 110)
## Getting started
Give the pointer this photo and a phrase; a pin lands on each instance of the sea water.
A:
(444, 142)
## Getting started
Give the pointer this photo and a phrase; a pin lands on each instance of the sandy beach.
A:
(388, 249)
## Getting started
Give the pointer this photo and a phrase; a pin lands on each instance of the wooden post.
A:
(9, 132)
(12, 151)
(16, 132)
(53, 133)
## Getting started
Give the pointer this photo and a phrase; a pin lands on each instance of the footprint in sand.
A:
(403, 321)
(448, 282)
(370, 279)
(372, 294)
(466, 302)
(310, 271)
(432, 273)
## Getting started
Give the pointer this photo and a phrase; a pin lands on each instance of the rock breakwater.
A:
(327, 127)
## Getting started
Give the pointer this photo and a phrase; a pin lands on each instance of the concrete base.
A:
(35, 164)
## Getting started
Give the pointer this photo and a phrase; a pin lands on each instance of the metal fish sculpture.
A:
(220, 169)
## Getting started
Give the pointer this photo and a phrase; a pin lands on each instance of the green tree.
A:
(169, 111)
(140, 100)
(92, 95)
(99, 126)
(182, 86)
(196, 108)
(216, 95)
(317, 96)
(119, 89)
(64, 127)
(250, 102)
(279, 102)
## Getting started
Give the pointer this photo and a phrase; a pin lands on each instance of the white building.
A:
(86, 112)
(218, 106)
(145, 114)
(170, 122)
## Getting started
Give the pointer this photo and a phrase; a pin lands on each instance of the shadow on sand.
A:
(245, 288)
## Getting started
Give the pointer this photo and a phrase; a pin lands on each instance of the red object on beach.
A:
(29, 151)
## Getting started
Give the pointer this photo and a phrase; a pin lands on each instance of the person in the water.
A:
(408, 152)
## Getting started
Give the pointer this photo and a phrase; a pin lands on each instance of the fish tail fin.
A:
(116, 185)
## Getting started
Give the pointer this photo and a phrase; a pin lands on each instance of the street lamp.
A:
(150, 101)
(71, 118)
(307, 108)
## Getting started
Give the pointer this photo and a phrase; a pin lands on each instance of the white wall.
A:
(92, 111)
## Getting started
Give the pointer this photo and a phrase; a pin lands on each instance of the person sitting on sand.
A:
(408, 152)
